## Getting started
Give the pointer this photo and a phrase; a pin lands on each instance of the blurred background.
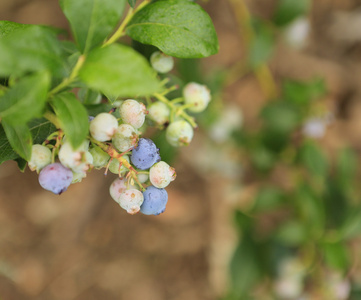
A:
(266, 204)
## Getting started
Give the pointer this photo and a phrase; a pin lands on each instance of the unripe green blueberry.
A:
(78, 176)
(161, 174)
(161, 62)
(143, 177)
(100, 158)
(114, 166)
(40, 157)
(103, 127)
(159, 112)
(198, 95)
(125, 137)
(179, 133)
(133, 113)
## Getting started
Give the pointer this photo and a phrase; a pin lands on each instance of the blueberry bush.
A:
(297, 214)
(72, 104)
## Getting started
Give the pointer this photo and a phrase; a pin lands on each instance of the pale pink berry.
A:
(161, 174)
(125, 138)
(118, 187)
(131, 200)
(133, 113)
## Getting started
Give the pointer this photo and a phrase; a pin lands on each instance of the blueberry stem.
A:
(176, 110)
(121, 29)
(55, 150)
(114, 154)
(177, 100)
(69, 79)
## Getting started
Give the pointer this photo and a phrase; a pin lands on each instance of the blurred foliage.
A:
(312, 210)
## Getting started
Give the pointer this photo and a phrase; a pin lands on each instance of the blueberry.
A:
(40, 157)
(55, 178)
(145, 154)
(159, 112)
(133, 113)
(161, 62)
(155, 201)
(198, 95)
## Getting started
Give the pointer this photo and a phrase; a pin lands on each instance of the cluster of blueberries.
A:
(115, 144)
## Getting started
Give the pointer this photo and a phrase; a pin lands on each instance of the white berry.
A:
(125, 137)
(77, 160)
(159, 112)
(161, 174)
(40, 157)
(133, 113)
(131, 200)
(161, 62)
(103, 127)
(197, 95)
(179, 133)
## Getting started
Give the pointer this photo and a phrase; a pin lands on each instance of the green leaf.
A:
(337, 256)
(119, 70)
(315, 160)
(347, 166)
(178, 28)
(92, 21)
(287, 10)
(88, 96)
(301, 93)
(26, 99)
(72, 116)
(20, 139)
(40, 129)
(311, 210)
(263, 159)
(8, 27)
(292, 233)
(32, 48)
(280, 117)
(262, 44)
(132, 3)
(245, 269)
(268, 198)
(21, 164)
(352, 226)
(95, 109)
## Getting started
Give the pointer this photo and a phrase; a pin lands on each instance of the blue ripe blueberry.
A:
(55, 178)
(155, 201)
(145, 154)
